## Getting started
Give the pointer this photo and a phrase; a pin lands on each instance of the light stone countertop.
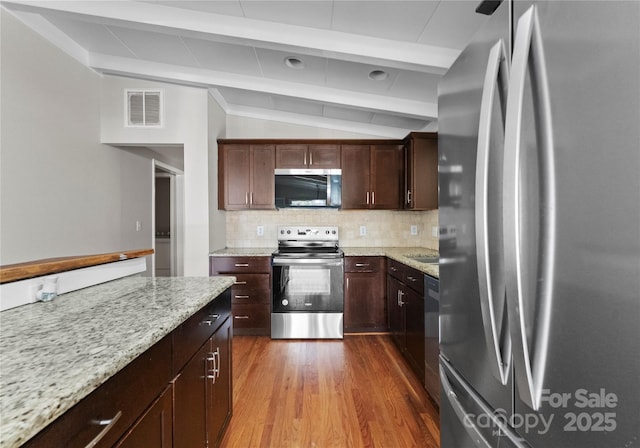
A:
(56, 353)
(400, 254)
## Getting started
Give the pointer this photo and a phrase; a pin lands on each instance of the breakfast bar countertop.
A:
(56, 353)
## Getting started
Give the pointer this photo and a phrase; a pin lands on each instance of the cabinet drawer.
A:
(237, 265)
(414, 279)
(251, 316)
(250, 297)
(364, 264)
(395, 269)
(244, 282)
(190, 336)
(121, 400)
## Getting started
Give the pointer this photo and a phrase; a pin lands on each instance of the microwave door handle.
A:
(500, 362)
(529, 366)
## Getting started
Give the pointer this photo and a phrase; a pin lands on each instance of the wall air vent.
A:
(144, 108)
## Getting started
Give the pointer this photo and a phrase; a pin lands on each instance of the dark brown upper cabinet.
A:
(372, 176)
(321, 156)
(246, 178)
(421, 171)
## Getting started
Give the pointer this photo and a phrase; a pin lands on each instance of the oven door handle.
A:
(307, 261)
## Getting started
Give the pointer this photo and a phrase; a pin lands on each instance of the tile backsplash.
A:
(383, 227)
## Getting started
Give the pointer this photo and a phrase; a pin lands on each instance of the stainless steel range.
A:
(308, 295)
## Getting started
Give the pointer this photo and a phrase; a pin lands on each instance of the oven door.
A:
(308, 285)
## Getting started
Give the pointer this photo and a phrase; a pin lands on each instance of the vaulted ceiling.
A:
(363, 66)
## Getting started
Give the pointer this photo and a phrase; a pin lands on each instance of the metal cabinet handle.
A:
(400, 295)
(393, 269)
(528, 57)
(246, 198)
(361, 265)
(252, 198)
(108, 424)
(240, 297)
(241, 317)
(409, 197)
(239, 283)
(304, 162)
(310, 158)
(241, 265)
(367, 198)
(373, 198)
(413, 279)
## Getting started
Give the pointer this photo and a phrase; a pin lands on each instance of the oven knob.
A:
(282, 232)
(333, 231)
(327, 232)
(285, 302)
(288, 232)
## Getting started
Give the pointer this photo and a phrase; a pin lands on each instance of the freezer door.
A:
(471, 422)
(474, 335)
(572, 221)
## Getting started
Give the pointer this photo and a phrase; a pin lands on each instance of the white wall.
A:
(185, 123)
(217, 221)
(61, 191)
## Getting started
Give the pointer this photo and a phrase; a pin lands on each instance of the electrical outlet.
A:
(414, 230)
(260, 230)
(363, 230)
(434, 231)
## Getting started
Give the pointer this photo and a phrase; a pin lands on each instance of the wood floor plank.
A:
(354, 393)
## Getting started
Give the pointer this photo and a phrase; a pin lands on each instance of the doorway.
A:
(167, 220)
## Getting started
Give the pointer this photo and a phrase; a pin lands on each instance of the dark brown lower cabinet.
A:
(364, 294)
(155, 427)
(405, 302)
(202, 397)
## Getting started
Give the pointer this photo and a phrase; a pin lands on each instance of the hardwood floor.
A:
(353, 393)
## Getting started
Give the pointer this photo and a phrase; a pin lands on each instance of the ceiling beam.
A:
(202, 25)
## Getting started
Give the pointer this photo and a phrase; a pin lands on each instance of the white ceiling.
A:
(237, 49)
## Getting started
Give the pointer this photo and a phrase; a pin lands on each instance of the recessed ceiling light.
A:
(378, 75)
(294, 62)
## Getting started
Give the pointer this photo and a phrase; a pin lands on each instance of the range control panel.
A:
(307, 233)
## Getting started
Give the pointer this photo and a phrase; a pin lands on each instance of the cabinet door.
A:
(395, 311)
(292, 156)
(356, 173)
(421, 172)
(365, 307)
(154, 428)
(234, 176)
(190, 403)
(263, 164)
(219, 390)
(324, 156)
(387, 176)
(414, 330)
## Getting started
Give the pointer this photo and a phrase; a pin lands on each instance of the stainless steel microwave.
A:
(311, 188)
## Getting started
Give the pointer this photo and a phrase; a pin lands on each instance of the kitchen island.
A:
(54, 354)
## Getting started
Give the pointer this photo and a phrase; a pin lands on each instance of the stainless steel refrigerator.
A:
(539, 183)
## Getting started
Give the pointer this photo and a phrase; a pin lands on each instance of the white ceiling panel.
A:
(237, 49)
(310, 13)
(394, 20)
(297, 106)
(453, 24)
(224, 57)
(157, 47)
(355, 76)
(273, 66)
(416, 85)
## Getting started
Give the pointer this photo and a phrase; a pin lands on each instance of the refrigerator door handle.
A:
(528, 56)
(497, 73)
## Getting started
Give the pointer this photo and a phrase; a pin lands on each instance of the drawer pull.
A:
(393, 269)
(413, 279)
(241, 297)
(241, 317)
(361, 265)
(108, 424)
(242, 265)
(239, 283)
